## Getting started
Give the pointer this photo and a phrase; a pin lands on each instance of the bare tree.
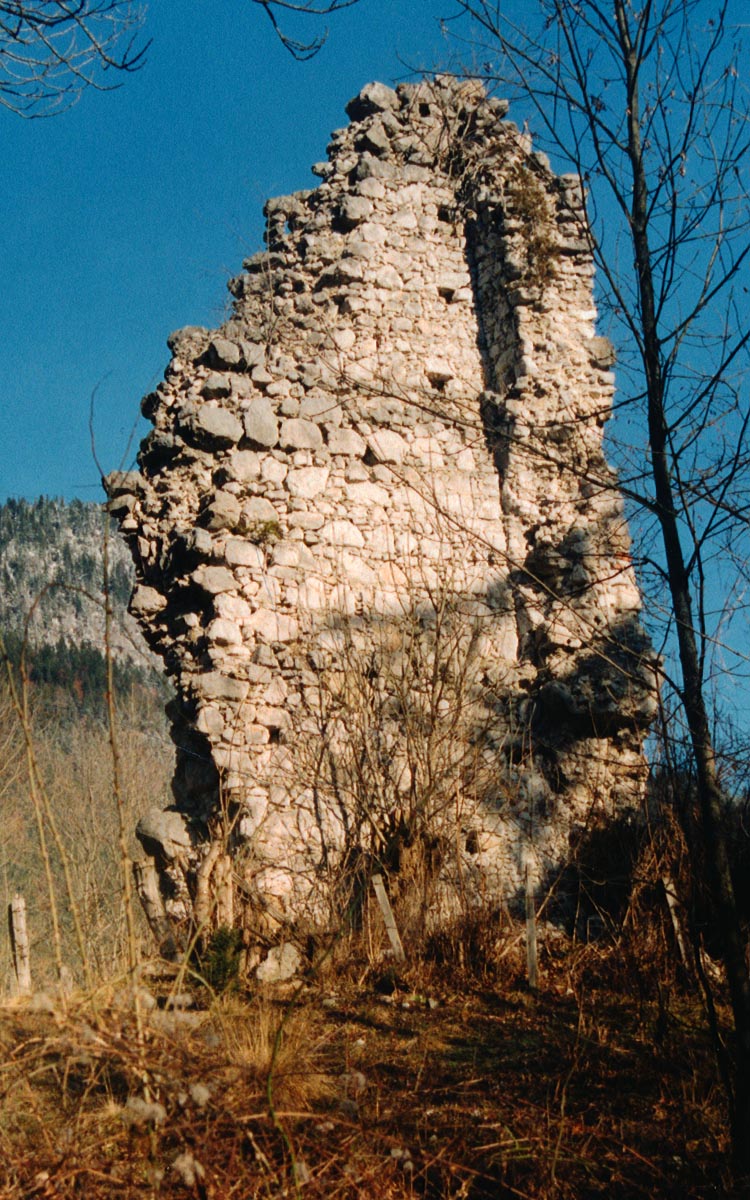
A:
(52, 50)
(644, 103)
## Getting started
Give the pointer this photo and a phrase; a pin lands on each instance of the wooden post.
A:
(531, 947)
(674, 912)
(224, 892)
(388, 917)
(19, 941)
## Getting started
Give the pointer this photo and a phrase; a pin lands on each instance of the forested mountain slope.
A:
(52, 591)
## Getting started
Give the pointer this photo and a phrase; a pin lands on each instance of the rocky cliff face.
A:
(51, 578)
(377, 542)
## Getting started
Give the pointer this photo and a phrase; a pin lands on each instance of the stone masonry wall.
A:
(377, 542)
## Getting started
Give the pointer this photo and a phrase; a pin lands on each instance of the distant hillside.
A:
(51, 585)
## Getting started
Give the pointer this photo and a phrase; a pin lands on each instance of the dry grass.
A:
(444, 1087)
(75, 766)
(286, 1047)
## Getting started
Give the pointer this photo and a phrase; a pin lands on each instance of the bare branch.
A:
(52, 50)
(302, 50)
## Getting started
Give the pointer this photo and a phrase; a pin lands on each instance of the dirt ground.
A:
(424, 1083)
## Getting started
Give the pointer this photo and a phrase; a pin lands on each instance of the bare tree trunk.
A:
(693, 698)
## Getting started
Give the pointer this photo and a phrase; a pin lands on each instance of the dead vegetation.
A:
(426, 1082)
(73, 795)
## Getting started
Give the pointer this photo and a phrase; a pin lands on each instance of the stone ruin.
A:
(378, 545)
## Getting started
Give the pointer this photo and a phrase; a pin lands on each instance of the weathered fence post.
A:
(19, 941)
(674, 913)
(388, 917)
(531, 947)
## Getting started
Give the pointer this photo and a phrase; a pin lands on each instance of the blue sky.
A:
(122, 219)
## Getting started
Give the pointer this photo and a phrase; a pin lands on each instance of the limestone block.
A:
(120, 483)
(273, 471)
(234, 758)
(285, 554)
(255, 806)
(450, 282)
(243, 466)
(272, 716)
(370, 167)
(146, 601)
(371, 188)
(167, 831)
(281, 963)
(355, 209)
(438, 370)
(224, 632)
(342, 533)
(224, 355)
(387, 446)
(258, 511)
(307, 482)
(313, 595)
(305, 520)
(293, 554)
(373, 98)
(276, 692)
(281, 387)
(375, 139)
(349, 270)
(239, 553)
(272, 626)
(253, 353)
(357, 571)
(346, 441)
(362, 250)
(215, 579)
(189, 342)
(373, 233)
(212, 685)
(602, 351)
(256, 735)
(322, 409)
(388, 279)
(215, 427)
(368, 494)
(261, 426)
(297, 434)
(267, 592)
(210, 720)
(216, 385)
(223, 512)
(381, 541)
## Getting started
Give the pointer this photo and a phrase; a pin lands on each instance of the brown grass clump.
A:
(282, 1053)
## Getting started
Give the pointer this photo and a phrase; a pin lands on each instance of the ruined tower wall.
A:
(378, 544)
